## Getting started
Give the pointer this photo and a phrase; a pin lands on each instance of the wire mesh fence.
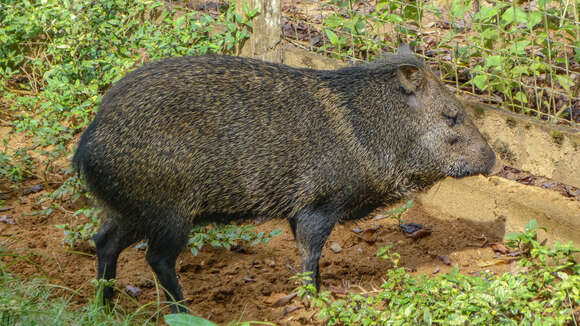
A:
(522, 55)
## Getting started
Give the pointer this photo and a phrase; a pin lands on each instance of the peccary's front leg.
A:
(311, 227)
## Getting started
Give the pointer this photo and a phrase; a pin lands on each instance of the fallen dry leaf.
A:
(133, 291)
(33, 189)
(419, 234)
(334, 246)
(380, 217)
(499, 247)
(290, 309)
(8, 219)
(411, 227)
(497, 261)
(338, 291)
(369, 235)
(284, 300)
(445, 260)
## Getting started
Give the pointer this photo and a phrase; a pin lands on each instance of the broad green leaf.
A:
(534, 17)
(519, 47)
(251, 14)
(394, 18)
(521, 97)
(334, 21)
(427, 318)
(350, 24)
(511, 16)
(180, 21)
(532, 225)
(566, 81)
(493, 61)
(459, 8)
(520, 70)
(382, 4)
(360, 25)
(543, 3)
(480, 81)
(512, 236)
(539, 67)
(486, 13)
(332, 37)
(187, 320)
(490, 34)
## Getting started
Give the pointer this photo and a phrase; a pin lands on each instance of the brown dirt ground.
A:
(227, 285)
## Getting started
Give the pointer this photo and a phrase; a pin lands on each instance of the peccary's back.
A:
(210, 134)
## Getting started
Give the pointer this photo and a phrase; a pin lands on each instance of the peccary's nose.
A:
(488, 158)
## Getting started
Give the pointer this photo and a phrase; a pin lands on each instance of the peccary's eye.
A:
(452, 117)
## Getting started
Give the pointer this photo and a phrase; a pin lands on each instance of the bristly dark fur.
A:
(186, 140)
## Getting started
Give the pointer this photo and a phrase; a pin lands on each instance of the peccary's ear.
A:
(410, 77)
(404, 49)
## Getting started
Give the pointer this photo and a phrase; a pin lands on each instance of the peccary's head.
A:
(446, 142)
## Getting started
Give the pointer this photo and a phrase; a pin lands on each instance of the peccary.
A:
(188, 140)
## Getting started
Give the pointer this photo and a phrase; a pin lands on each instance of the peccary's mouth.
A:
(463, 169)
(459, 170)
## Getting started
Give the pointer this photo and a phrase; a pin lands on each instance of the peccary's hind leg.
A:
(311, 227)
(163, 249)
(111, 239)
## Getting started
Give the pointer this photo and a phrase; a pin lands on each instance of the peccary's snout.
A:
(483, 160)
(488, 159)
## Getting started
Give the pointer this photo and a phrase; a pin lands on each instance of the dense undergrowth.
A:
(57, 58)
(523, 55)
(544, 291)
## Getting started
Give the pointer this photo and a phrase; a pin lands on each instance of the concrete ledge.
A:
(528, 144)
(496, 201)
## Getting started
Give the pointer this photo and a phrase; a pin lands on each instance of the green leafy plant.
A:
(57, 58)
(397, 213)
(226, 236)
(190, 320)
(75, 234)
(386, 254)
(16, 166)
(519, 55)
(546, 292)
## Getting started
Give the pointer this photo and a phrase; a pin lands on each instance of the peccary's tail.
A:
(81, 156)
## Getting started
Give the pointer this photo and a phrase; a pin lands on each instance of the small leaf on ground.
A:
(445, 260)
(499, 247)
(411, 227)
(133, 291)
(284, 300)
(290, 309)
(33, 189)
(8, 219)
(419, 234)
(369, 235)
(334, 246)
